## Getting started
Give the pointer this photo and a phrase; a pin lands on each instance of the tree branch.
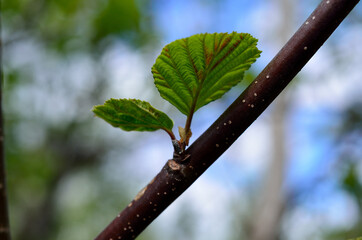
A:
(178, 174)
(4, 218)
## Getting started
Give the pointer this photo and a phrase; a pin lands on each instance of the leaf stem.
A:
(189, 118)
(188, 121)
(170, 133)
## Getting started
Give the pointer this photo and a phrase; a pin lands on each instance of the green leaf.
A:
(118, 18)
(193, 71)
(133, 115)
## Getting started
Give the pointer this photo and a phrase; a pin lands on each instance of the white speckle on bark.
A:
(305, 48)
(217, 145)
(243, 100)
(306, 23)
(313, 17)
(230, 122)
(252, 105)
(255, 94)
(267, 76)
(327, 2)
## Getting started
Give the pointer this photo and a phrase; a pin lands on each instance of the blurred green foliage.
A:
(116, 18)
(54, 159)
(73, 25)
(349, 139)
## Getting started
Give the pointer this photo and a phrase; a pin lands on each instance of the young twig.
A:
(177, 176)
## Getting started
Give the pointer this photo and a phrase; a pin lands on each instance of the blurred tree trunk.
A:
(266, 222)
(4, 217)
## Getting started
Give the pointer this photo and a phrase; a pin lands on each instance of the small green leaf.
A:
(133, 115)
(193, 71)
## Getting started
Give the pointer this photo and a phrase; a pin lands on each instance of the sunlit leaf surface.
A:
(193, 71)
